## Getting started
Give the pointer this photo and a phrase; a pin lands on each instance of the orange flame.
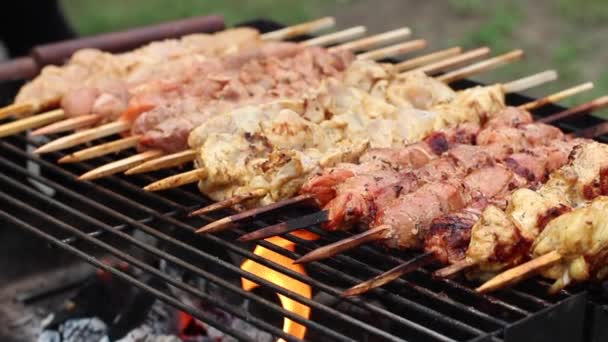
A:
(282, 280)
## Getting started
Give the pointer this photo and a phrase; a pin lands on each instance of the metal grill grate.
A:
(92, 219)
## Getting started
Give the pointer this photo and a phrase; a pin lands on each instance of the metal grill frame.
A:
(435, 309)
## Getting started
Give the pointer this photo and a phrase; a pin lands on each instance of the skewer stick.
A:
(70, 124)
(593, 131)
(164, 162)
(375, 234)
(31, 122)
(373, 41)
(482, 66)
(599, 103)
(394, 50)
(184, 178)
(336, 37)
(228, 221)
(454, 61)
(300, 29)
(557, 96)
(286, 227)
(390, 275)
(229, 202)
(100, 150)
(16, 110)
(84, 136)
(455, 268)
(530, 81)
(119, 165)
(520, 272)
(426, 59)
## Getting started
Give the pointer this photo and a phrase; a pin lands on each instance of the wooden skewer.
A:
(164, 162)
(227, 203)
(378, 233)
(286, 227)
(557, 96)
(455, 61)
(100, 150)
(336, 37)
(455, 268)
(84, 136)
(16, 110)
(119, 165)
(599, 103)
(394, 50)
(70, 124)
(373, 41)
(482, 66)
(520, 272)
(530, 81)
(189, 177)
(226, 222)
(30, 122)
(390, 275)
(300, 29)
(426, 59)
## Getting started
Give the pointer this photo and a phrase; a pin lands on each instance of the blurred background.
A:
(568, 35)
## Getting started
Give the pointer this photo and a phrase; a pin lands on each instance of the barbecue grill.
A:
(90, 220)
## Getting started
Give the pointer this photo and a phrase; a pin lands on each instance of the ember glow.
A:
(282, 280)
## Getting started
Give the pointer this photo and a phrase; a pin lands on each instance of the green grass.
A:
(94, 16)
(587, 12)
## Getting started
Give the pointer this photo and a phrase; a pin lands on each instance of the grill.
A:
(90, 220)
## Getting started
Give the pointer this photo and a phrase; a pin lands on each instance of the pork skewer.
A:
(108, 95)
(85, 64)
(449, 236)
(527, 213)
(353, 46)
(123, 165)
(225, 95)
(179, 157)
(478, 108)
(571, 248)
(406, 220)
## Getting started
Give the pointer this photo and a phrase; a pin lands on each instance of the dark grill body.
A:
(93, 219)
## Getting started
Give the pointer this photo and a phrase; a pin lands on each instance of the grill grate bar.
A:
(199, 271)
(249, 255)
(199, 314)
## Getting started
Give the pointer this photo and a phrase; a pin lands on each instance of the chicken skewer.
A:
(125, 164)
(85, 64)
(108, 95)
(148, 111)
(571, 248)
(391, 92)
(474, 102)
(180, 158)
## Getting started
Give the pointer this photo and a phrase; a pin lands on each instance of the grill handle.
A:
(57, 53)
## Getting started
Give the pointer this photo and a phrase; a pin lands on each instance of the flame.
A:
(282, 280)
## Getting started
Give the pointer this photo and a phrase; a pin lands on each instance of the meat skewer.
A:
(183, 157)
(220, 223)
(108, 93)
(406, 220)
(226, 93)
(173, 138)
(571, 248)
(82, 121)
(161, 184)
(449, 236)
(83, 65)
(519, 224)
